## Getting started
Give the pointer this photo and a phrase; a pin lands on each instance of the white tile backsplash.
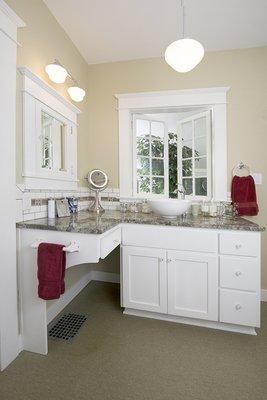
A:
(26, 211)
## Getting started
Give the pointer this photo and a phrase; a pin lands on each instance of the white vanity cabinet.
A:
(196, 276)
(192, 285)
(145, 279)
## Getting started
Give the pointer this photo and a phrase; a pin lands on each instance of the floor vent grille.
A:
(67, 327)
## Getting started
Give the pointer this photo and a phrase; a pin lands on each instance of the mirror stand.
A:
(96, 206)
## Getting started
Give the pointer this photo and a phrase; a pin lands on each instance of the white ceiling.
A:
(116, 30)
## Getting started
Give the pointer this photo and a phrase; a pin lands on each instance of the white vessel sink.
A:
(169, 208)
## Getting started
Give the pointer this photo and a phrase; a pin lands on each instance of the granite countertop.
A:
(86, 222)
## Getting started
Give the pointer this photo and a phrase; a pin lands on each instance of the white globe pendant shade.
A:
(183, 55)
(56, 72)
(76, 93)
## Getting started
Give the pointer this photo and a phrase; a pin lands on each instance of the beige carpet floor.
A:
(120, 357)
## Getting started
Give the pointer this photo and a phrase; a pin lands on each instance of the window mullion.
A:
(193, 157)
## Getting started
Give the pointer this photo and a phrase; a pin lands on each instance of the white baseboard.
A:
(263, 294)
(192, 321)
(68, 296)
(105, 276)
(72, 292)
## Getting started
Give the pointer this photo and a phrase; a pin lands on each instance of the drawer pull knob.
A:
(238, 273)
(169, 260)
(161, 259)
(238, 246)
(238, 307)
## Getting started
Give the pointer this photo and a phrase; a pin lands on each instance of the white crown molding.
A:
(49, 89)
(11, 14)
(222, 89)
(173, 98)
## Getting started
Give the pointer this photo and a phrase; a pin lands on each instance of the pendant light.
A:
(184, 54)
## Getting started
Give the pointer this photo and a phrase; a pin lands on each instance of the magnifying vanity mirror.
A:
(98, 181)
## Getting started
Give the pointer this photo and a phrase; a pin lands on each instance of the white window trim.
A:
(149, 102)
(35, 94)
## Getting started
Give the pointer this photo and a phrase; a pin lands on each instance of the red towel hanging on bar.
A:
(51, 270)
(243, 193)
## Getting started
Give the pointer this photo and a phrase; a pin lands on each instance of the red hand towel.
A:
(51, 270)
(244, 195)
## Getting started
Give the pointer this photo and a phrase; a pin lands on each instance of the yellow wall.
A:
(43, 40)
(243, 70)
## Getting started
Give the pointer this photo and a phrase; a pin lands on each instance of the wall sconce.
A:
(58, 74)
(76, 93)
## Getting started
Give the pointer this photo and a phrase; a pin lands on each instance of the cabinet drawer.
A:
(241, 308)
(241, 273)
(241, 243)
(173, 238)
(110, 242)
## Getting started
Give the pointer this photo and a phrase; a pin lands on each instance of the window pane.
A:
(143, 184)
(157, 148)
(143, 166)
(187, 130)
(187, 149)
(200, 146)
(201, 186)
(201, 166)
(157, 130)
(188, 185)
(158, 185)
(142, 127)
(142, 137)
(187, 168)
(142, 145)
(173, 177)
(200, 127)
(158, 167)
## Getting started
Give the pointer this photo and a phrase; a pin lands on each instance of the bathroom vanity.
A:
(198, 271)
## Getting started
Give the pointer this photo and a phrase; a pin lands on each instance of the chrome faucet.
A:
(181, 191)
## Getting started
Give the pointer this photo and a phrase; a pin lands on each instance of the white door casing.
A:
(9, 330)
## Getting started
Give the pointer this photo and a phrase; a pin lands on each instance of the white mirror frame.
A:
(130, 103)
(38, 96)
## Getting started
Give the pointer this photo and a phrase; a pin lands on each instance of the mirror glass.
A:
(53, 143)
(97, 179)
(173, 151)
(46, 137)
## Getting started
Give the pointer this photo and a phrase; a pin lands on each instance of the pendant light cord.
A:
(183, 18)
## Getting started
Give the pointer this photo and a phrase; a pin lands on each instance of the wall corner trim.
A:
(264, 295)
(11, 15)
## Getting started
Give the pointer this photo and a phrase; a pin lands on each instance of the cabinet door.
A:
(144, 279)
(193, 285)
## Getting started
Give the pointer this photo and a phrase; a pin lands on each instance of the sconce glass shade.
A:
(76, 93)
(183, 55)
(56, 72)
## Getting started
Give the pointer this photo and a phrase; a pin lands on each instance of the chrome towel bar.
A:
(73, 247)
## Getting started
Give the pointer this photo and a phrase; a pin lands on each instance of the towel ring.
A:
(241, 167)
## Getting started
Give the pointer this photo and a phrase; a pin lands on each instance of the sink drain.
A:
(67, 327)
